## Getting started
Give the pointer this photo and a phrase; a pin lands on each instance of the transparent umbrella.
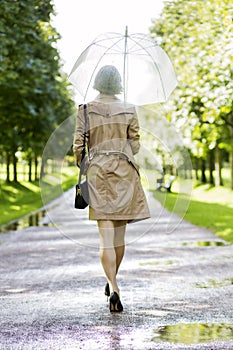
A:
(146, 70)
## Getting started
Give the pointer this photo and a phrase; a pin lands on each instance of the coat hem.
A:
(114, 217)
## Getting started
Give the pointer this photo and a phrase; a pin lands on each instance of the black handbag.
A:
(82, 193)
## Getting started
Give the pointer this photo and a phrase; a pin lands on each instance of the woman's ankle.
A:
(114, 288)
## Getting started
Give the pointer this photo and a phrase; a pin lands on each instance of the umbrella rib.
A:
(104, 39)
(119, 36)
(116, 51)
(137, 42)
(135, 45)
(154, 64)
(96, 68)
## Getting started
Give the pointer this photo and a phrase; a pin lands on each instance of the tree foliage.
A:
(34, 95)
(198, 38)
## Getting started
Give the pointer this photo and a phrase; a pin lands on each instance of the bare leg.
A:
(119, 241)
(107, 252)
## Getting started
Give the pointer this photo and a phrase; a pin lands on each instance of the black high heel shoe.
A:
(107, 290)
(115, 303)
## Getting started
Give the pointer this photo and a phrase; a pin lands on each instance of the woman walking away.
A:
(115, 191)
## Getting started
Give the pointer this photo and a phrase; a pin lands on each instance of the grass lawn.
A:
(210, 207)
(22, 198)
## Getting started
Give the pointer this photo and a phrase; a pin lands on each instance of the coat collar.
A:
(106, 98)
(108, 105)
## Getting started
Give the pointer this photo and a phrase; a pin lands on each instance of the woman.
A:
(116, 194)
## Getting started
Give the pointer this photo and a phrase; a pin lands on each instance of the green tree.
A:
(199, 41)
(34, 95)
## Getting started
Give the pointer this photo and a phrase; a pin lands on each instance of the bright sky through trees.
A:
(80, 22)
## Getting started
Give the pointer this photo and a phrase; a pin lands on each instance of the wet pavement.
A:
(176, 285)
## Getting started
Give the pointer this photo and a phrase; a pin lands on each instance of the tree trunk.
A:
(203, 169)
(42, 170)
(218, 168)
(30, 169)
(211, 167)
(15, 160)
(8, 161)
(36, 168)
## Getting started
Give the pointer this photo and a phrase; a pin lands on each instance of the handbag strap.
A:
(85, 135)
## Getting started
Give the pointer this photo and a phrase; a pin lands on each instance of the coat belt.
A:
(119, 153)
(108, 153)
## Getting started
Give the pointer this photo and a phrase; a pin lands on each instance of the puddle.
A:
(205, 244)
(216, 284)
(34, 219)
(193, 333)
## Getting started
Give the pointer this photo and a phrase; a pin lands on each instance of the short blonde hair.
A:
(108, 81)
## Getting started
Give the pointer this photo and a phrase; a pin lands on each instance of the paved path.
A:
(176, 291)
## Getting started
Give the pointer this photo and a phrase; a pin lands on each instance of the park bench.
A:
(165, 186)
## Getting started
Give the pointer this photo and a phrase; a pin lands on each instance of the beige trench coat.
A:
(113, 179)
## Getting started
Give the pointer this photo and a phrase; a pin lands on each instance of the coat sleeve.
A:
(79, 136)
(133, 134)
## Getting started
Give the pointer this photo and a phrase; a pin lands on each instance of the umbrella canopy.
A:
(146, 70)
